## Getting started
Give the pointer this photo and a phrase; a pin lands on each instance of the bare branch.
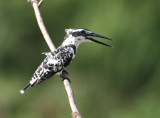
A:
(76, 115)
(36, 5)
(75, 112)
(41, 24)
(40, 3)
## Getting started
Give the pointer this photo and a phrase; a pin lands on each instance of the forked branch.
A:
(41, 24)
(36, 5)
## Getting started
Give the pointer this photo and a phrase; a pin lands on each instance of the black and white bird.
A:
(56, 61)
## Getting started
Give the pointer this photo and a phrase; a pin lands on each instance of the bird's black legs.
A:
(65, 71)
(64, 74)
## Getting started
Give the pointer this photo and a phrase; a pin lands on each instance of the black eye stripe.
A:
(78, 34)
(75, 34)
(83, 32)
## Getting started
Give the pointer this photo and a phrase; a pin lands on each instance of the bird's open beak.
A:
(100, 36)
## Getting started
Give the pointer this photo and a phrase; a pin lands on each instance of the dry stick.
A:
(36, 5)
(41, 24)
(40, 3)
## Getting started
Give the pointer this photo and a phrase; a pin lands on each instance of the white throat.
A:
(71, 40)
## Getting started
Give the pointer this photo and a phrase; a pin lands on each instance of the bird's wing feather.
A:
(53, 63)
(46, 53)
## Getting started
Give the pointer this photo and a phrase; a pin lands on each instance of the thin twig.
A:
(75, 112)
(41, 24)
(40, 3)
(36, 5)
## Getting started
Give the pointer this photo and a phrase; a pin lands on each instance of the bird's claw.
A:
(65, 71)
(63, 75)
(66, 79)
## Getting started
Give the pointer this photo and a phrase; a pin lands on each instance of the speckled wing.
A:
(52, 64)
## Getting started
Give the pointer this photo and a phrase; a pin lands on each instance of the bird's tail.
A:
(25, 88)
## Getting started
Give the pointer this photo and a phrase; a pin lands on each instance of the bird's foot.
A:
(65, 71)
(63, 78)
(63, 75)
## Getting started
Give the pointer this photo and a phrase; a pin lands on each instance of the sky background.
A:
(107, 82)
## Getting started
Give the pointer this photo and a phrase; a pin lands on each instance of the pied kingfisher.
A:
(56, 61)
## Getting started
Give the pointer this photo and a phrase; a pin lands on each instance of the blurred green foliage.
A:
(120, 82)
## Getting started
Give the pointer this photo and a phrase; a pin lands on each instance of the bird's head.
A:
(79, 35)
